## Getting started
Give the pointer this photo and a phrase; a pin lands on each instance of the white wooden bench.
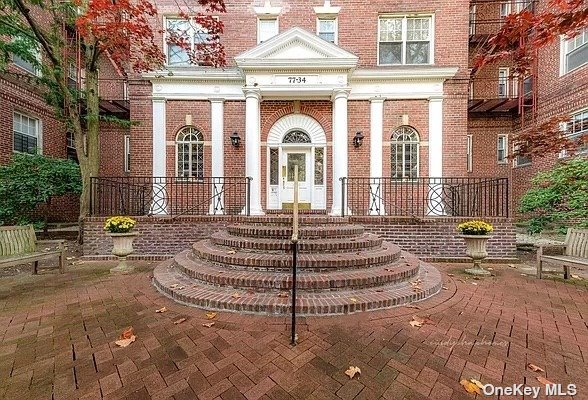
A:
(19, 245)
(573, 253)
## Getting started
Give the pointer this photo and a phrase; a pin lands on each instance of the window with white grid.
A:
(267, 28)
(405, 152)
(327, 29)
(26, 134)
(578, 128)
(502, 149)
(187, 31)
(405, 40)
(190, 153)
(574, 52)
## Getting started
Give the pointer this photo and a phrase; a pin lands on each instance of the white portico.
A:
(297, 65)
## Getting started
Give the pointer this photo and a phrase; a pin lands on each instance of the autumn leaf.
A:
(535, 368)
(353, 300)
(127, 333)
(352, 371)
(209, 324)
(470, 387)
(210, 315)
(420, 321)
(179, 321)
(544, 381)
(161, 310)
(477, 383)
(236, 295)
(125, 342)
(283, 294)
(231, 252)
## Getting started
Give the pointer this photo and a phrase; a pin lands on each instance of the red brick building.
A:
(342, 90)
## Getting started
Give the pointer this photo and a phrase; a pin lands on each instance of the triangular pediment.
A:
(296, 47)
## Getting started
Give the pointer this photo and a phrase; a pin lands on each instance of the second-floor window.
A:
(574, 52)
(504, 8)
(578, 128)
(405, 40)
(27, 65)
(502, 149)
(266, 29)
(503, 80)
(327, 29)
(190, 33)
(70, 147)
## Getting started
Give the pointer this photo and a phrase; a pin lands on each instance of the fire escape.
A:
(496, 88)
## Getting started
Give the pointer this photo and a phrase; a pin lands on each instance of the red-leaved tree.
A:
(520, 37)
(125, 31)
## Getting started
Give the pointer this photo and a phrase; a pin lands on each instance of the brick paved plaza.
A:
(57, 336)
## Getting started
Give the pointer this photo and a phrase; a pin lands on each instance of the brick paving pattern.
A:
(57, 336)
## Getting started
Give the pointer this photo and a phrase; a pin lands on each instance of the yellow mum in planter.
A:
(475, 228)
(119, 224)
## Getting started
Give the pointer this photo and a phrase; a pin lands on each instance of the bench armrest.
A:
(551, 249)
(56, 242)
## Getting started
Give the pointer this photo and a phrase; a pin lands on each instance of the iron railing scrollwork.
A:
(173, 196)
(421, 197)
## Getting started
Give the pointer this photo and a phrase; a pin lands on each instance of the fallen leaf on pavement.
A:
(125, 342)
(283, 294)
(127, 333)
(352, 371)
(209, 325)
(231, 252)
(179, 321)
(477, 383)
(236, 295)
(161, 310)
(420, 321)
(535, 368)
(470, 387)
(353, 300)
(210, 315)
(544, 381)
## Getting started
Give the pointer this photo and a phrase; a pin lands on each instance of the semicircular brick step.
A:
(207, 250)
(206, 273)
(285, 232)
(183, 289)
(341, 269)
(362, 242)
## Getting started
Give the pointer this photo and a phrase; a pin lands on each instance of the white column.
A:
(436, 206)
(376, 206)
(252, 148)
(339, 147)
(159, 204)
(217, 157)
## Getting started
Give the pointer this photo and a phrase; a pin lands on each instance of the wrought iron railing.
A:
(421, 197)
(175, 196)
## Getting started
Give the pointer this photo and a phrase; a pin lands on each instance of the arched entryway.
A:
(296, 139)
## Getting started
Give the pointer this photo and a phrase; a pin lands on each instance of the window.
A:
(319, 166)
(190, 151)
(70, 147)
(26, 134)
(274, 166)
(578, 127)
(520, 160)
(405, 40)
(184, 31)
(521, 5)
(266, 29)
(504, 9)
(27, 65)
(574, 52)
(296, 137)
(327, 29)
(405, 152)
(72, 76)
(469, 148)
(472, 19)
(503, 82)
(127, 151)
(502, 149)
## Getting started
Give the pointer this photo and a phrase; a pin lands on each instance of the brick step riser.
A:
(303, 220)
(285, 246)
(284, 281)
(268, 264)
(267, 232)
(284, 306)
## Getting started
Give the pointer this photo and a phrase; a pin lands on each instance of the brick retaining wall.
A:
(430, 238)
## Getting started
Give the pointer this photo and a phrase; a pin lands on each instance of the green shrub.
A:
(559, 197)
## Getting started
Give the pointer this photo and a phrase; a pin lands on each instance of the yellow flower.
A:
(475, 227)
(119, 224)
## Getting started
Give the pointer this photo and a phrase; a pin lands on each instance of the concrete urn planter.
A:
(476, 250)
(122, 247)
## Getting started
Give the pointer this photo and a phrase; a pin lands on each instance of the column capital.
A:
(436, 98)
(252, 93)
(340, 93)
(217, 100)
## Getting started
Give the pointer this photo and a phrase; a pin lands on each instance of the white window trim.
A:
(39, 133)
(563, 51)
(127, 153)
(564, 126)
(330, 18)
(431, 41)
(472, 17)
(506, 79)
(176, 142)
(37, 71)
(515, 159)
(508, 9)
(267, 18)
(165, 45)
(469, 153)
(505, 161)
(418, 143)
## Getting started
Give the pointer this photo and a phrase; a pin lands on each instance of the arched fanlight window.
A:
(405, 152)
(190, 151)
(296, 137)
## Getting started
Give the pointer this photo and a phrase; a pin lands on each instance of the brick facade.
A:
(430, 238)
